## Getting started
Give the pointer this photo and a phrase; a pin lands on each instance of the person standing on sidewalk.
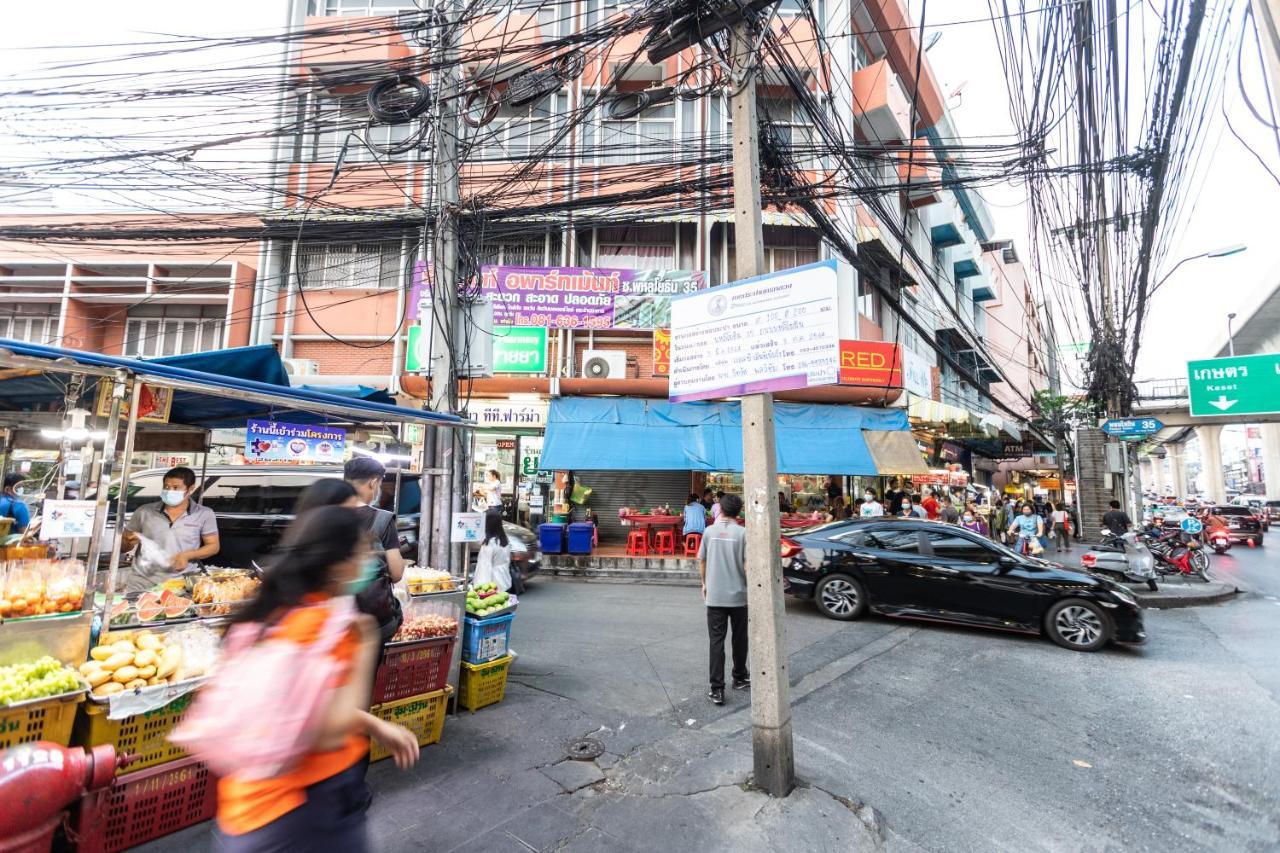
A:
(722, 562)
(948, 513)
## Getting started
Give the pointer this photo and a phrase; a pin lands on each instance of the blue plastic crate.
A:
(486, 639)
(551, 538)
(581, 536)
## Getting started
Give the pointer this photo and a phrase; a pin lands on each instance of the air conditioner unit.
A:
(604, 364)
(301, 366)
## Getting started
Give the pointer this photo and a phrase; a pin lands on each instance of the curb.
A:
(1165, 598)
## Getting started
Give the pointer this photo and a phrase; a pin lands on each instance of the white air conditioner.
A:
(604, 364)
(301, 366)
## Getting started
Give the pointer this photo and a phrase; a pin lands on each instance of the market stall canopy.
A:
(626, 434)
(895, 453)
(215, 389)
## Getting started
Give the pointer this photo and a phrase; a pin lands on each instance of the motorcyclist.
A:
(1211, 522)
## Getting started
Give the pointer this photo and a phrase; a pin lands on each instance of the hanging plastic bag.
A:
(580, 494)
(493, 565)
(151, 557)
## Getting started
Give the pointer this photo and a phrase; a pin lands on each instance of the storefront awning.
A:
(623, 433)
(895, 453)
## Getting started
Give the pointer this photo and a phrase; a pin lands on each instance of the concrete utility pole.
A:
(1266, 16)
(775, 770)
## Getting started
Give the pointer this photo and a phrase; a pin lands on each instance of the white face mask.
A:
(173, 497)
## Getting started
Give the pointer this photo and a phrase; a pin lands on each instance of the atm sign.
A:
(873, 363)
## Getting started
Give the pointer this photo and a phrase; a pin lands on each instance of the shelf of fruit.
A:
(485, 601)
(38, 681)
(427, 627)
(41, 588)
(135, 660)
(423, 581)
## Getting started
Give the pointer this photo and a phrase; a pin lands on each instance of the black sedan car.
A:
(933, 571)
(1242, 522)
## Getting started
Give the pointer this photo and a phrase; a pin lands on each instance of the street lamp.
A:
(1215, 253)
(1231, 341)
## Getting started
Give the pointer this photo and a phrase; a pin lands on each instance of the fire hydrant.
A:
(38, 781)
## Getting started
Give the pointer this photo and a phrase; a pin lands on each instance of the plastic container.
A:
(423, 715)
(146, 805)
(52, 720)
(482, 684)
(581, 535)
(484, 640)
(413, 668)
(551, 537)
(143, 736)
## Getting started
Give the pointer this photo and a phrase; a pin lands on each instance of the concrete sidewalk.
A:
(1183, 592)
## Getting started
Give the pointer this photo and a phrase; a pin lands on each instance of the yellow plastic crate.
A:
(422, 714)
(143, 736)
(482, 684)
(52, 721)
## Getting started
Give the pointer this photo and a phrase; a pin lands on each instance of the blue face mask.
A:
(173, 497)
(369, 568)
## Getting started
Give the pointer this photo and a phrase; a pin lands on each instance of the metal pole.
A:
(1231, 338)
(105, 469)
(135, 398)
(426, 501)
(770, 689)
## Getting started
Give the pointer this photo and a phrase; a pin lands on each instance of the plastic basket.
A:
(412, 669)
(486, 639)
(423, 715)
(146, 805)
(482, 684)
(52, 721)
(143, 736)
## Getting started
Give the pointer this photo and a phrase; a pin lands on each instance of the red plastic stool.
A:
(637, 544)
(692, 542)
(665, 542)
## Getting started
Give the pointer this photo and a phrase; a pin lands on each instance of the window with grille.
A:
(326, 266)
(599, 11)
(345, 121)
(347, 8)
(515, 252)
(35, 324)
(518, 133)
(646, 137)
(793, 130)
(637, 247)
(784, 247)
(554, 16)
(156, 330)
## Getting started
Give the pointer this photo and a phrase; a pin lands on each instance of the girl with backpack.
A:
(283, 720)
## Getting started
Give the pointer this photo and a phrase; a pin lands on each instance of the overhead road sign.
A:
(1132, 427)
(1237, 385)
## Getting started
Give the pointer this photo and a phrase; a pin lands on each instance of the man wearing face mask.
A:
(871, 508)
(186, 532)
(365, 474)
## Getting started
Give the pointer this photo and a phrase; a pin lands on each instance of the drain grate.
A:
(584, 749)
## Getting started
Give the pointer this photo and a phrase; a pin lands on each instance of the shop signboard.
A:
(1050, 483)
(66, 519)
(775, 332)
(585, 297)
(467, 527)
(519, 349)
(1015, 449)
(529, 460)
(661, 352)
(917, 374)
(1238, 385)
(874, 363)
(275, 441)
(512, 414)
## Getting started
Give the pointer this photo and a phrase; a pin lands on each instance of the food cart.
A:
(68, 658)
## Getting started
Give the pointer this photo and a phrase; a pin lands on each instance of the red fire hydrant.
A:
(38, 781)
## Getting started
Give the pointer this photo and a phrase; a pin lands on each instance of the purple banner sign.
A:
(585, 298)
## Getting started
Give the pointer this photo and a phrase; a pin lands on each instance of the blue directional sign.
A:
(1191, 525)
(1132, 427)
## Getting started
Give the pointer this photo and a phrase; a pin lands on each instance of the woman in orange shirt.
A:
(319, 804)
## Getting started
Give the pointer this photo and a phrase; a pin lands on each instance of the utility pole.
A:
(1266, 17)
(774, 753)
(443, 285)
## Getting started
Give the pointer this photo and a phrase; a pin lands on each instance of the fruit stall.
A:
(82, 664)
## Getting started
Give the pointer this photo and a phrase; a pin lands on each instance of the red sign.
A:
(661, 352)
(874, 363)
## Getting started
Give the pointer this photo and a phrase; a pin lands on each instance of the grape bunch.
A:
(20, 682)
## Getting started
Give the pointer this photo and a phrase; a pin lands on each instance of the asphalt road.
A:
(970, 740)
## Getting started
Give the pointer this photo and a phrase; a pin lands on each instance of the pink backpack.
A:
(257, 716)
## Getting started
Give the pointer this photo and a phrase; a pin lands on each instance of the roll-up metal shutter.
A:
(611, 490)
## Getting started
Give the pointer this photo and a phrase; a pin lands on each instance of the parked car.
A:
(1241, 522)
(919, 569)
(1273, 511)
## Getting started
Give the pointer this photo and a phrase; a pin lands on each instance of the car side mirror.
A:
(1007, 562)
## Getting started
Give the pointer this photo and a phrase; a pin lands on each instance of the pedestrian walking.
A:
(1116, 520)
(930, 504)
(1060, 528)
(948, 512)
(722, 563)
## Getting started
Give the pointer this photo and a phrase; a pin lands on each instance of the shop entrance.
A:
(516, 458)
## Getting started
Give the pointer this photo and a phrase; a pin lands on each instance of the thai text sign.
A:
(273, 441)
(776, 332)
(1240, 385)
(510, 413)
(873, 363)
(585, 298)
(661, 352)
(517, 349)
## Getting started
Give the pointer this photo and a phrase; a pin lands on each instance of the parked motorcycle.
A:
(1123, 558)
(1178, 553)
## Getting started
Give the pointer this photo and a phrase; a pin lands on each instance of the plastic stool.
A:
(692, 542)
(665, 542)
(637, 544)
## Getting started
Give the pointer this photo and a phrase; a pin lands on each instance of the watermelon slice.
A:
(149, 608)
(120, 611)
(176, 606)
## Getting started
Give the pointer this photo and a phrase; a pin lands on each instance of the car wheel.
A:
(840, 597)
(517, 580)
(1079, 625)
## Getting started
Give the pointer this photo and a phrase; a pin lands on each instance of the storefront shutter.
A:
(611, 490)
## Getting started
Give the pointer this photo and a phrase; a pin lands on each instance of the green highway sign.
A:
(1240, 385)
(519, 349)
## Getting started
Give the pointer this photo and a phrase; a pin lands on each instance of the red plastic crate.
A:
(421, 666)
(146, 805)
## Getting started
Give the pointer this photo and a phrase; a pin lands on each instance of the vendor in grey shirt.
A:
(722, 560)
(187, 532)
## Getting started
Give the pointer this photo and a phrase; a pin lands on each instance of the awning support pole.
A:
(122, 499)
(106, 468)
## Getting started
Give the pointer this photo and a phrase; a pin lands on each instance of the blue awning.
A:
(628, 434)
(215, 389)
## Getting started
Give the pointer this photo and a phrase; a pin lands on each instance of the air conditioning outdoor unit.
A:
(301, 366)
(604, 364)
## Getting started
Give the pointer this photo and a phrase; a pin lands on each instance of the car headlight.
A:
(1125, 596)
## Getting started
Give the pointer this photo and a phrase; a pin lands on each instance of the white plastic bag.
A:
(151, 556)
(493, 565)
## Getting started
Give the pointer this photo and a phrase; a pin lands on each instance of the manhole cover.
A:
(584, 749)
